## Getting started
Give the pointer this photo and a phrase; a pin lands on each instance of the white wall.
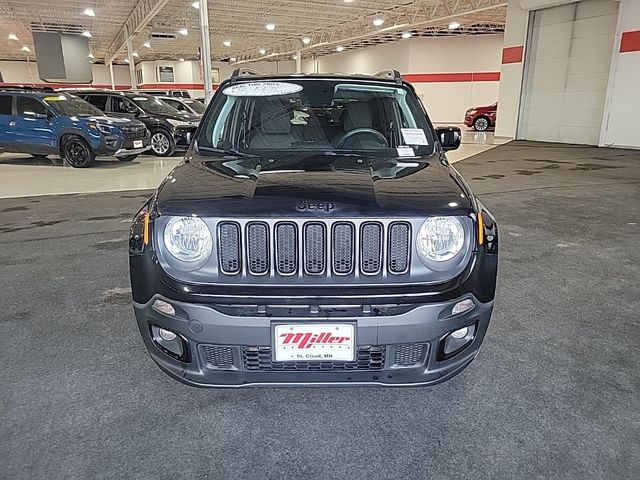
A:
(27, 72)
(620, 121)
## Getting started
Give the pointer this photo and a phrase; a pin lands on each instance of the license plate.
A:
(315, 342)
(137, 144)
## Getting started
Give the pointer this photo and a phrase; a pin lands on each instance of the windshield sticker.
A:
(59, 98)
(414, 136)
(261, 89)
(404, 151)
(140, 99)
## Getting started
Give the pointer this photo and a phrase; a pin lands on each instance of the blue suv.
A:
(44, 123)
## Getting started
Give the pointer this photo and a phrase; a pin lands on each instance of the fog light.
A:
(168, 335)
(463, 306)
(164, 307)
(456, 341)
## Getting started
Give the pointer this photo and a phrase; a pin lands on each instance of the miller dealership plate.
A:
(315, 342)
(137, 144)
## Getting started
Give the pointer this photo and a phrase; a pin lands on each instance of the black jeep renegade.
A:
(314, 234)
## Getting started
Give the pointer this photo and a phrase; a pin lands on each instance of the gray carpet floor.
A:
(553, 394)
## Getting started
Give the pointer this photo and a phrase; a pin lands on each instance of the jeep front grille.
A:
(314, 248)
(370, 357)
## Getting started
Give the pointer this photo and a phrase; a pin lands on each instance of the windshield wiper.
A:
(227, 151)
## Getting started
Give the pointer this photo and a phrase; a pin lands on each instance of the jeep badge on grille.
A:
(306, 206)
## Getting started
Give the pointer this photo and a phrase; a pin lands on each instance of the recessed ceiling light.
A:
(87, 34)
(183, 31)
(347, 1)
(262, 51)
(12, 36)
(378, 22)
(270, 26)
(227, 43)
(406, 34)
(295, 57)
(454, 25)
(25, 49)
(126, 60)
(135, 54)
(306, 40)
(196, 5)
(181, 59)
(89, 12)
(232, 59)
(146, 45)
(339, 49)
(90, 55)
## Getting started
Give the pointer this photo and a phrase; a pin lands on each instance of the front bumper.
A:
(417, 328)
(183, 137)
(112, 145)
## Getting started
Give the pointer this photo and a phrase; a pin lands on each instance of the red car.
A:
(481, 118)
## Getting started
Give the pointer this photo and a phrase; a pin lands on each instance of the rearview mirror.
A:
(449, 137)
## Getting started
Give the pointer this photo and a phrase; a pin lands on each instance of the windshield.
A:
(70, 106)
(316, 116)
(195, 105)
(151, 104)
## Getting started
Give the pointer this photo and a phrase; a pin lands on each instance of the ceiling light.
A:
(25, 49)
(270, 26)
(87, 34)
(126, 60)
(181, 59)
(454, 25)
(90, 56)
(135, 54)
(12, 36)
(378, 22)
(183, 31)
(339, 49)
(347, 1)
(306, 40)
(232, 59)
(295, 57)
(406, 35)
(196, 5)
(146, 45)
(227, 43)
(263, 51)
(89, 12)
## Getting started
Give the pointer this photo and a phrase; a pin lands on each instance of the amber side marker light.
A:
(480, 228)
(145, 235)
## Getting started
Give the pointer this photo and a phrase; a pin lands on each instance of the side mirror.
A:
(39, 116)
(449, 137)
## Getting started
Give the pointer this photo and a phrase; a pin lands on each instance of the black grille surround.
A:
(134, 132)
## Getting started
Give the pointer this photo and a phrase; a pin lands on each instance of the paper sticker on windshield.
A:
(59, 98)
(262, 89)
(404, 151)
(414, 136)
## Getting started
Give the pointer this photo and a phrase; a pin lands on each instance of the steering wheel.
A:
(362, 131)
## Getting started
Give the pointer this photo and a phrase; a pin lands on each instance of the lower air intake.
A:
(369, 357)
(410, 354)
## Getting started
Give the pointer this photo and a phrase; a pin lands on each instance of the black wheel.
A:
(77, 153)
(127, 158)
(481, 124)
(162, 144)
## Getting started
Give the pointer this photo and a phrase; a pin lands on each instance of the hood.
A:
(186, 117)
(312, 186)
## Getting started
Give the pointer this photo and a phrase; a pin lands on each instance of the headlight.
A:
(440, 239)
(104, 128)
(177, 123)
(188, 239)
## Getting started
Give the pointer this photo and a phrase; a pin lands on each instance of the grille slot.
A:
(286, 249)
(314, 248)
(410, 354)
(258, 245)
(371, 248)
(342, 248)
(229, 248)
(399, 247)
(217, 356)
(370, 357)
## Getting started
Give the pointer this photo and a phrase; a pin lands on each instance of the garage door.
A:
(566, 72)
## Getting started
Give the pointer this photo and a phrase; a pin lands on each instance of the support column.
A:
(298, 61)
(132, 64)
(206, 51)
(111, 76)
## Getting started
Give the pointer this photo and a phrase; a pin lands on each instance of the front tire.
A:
(127, 158)
(77, 153)
(481, 124)
(162, 143)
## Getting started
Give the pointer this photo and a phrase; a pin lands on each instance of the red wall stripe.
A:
(452, 77)
(512, 54)
(630, 42)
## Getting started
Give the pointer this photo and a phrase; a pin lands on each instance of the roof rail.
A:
(391, 75)
(245, 72)
(26, 88)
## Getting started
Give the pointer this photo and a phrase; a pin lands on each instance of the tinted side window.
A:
(5, 104)
(30, 105)
(122, 105)
(98, 101)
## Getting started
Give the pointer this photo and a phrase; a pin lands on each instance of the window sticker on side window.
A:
(414, 136)
(261, 89)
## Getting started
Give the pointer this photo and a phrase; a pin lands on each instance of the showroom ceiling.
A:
(171, 27)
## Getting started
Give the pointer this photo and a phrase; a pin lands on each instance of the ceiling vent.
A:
(162, 36)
